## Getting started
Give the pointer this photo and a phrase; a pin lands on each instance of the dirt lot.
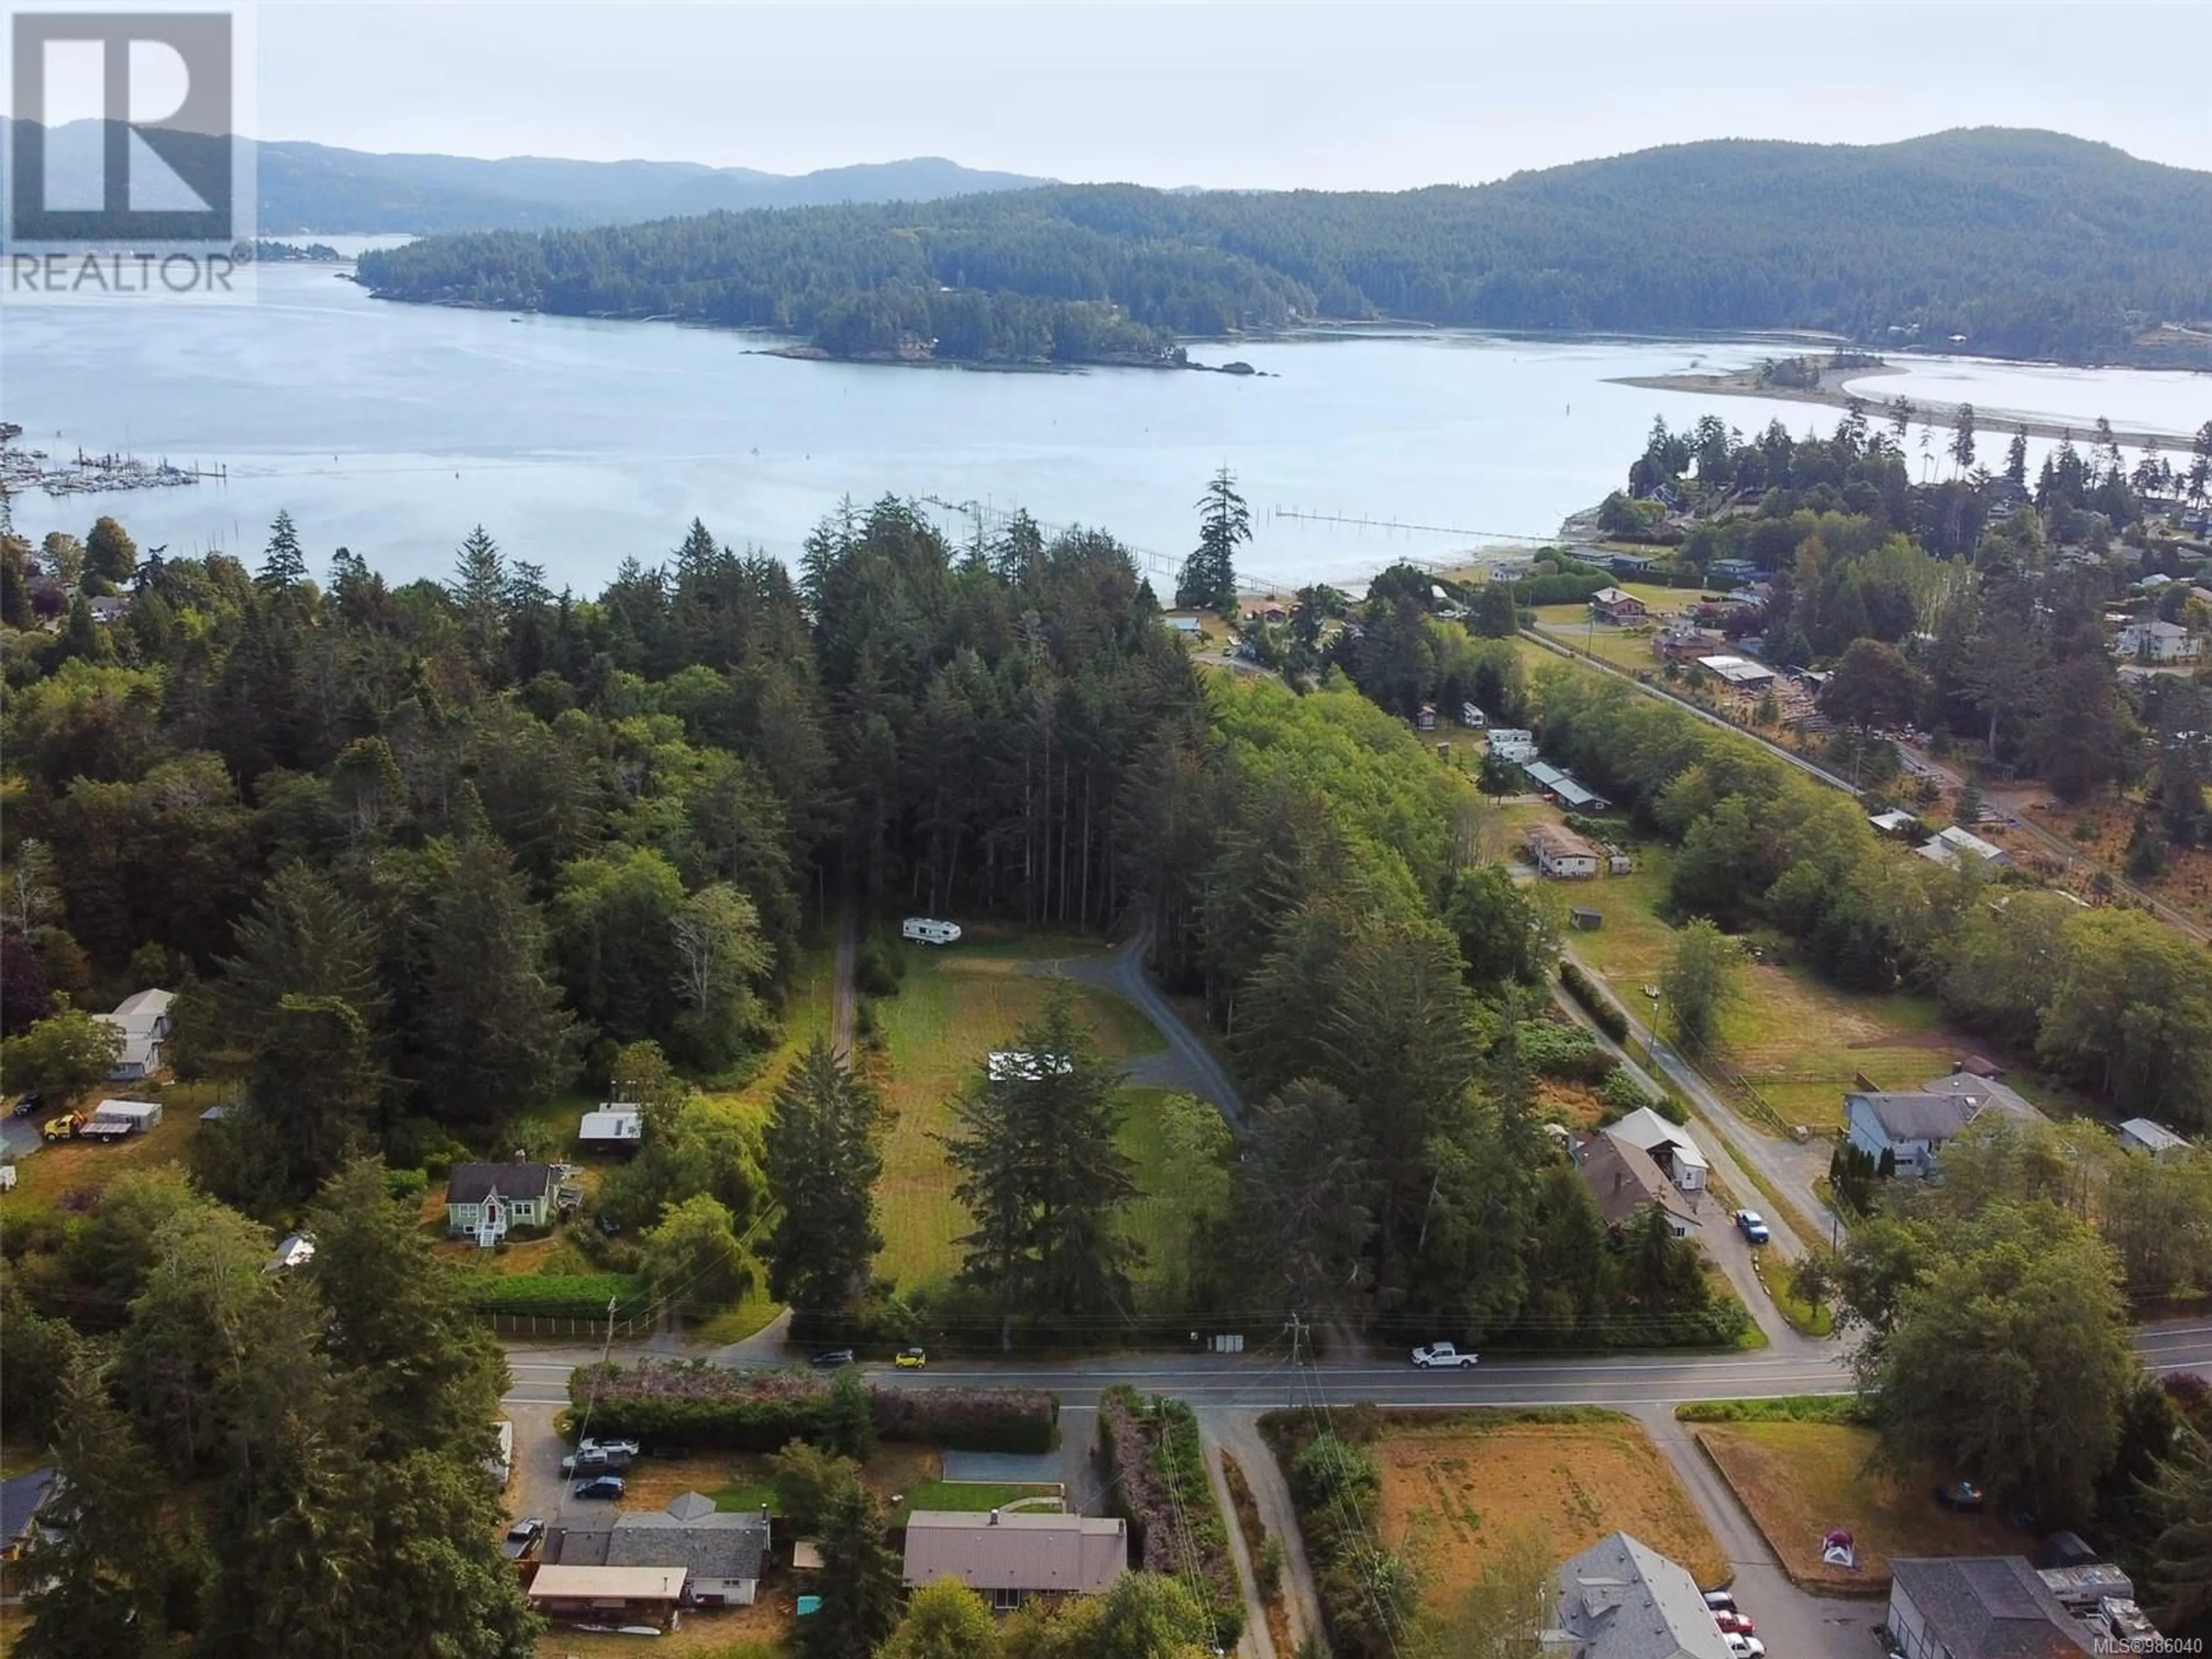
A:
(1453, 1489)
(1798, 1479)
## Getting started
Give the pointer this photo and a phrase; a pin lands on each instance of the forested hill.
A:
(2028, 244)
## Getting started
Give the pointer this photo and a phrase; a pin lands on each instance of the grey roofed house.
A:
(472, 1183)
(1986, 1606)
(1984, 1094)
(1624, 1178)
(1006, 1554)
(1925, 1115)
(1621, 1599)
(724, 1551)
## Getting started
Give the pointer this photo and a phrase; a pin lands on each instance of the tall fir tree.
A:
(823, 1155)
(1041, 1175)
(489, 1037)
(283, 565)
(1209, 574)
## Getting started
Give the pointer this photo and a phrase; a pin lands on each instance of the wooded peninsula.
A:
(1937, 241)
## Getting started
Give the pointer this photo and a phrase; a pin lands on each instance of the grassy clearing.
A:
(1798, 1478)
(1454, 1491)
(952, 1010)
(1625, 648)
(1799, 1041)
(755, 1633)
(972, 1497)
(69, 1165)
(736, 1324)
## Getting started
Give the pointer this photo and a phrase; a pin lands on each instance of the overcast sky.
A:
(1251, 94)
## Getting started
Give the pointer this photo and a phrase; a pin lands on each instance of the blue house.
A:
(1913, 1128)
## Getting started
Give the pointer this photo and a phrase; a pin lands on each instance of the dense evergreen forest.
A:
(1916, 242)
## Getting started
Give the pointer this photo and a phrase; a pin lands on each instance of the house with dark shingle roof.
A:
(1987, 1607)
(723, 1552)
(1624, 1179)
(485, 1199)
(1621, 1599)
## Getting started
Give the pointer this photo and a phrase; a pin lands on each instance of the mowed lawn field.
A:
(1798, 1479)
(1454, 1491)
(953, 1008)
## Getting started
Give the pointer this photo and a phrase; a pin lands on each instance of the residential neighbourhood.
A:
(1257, 1006)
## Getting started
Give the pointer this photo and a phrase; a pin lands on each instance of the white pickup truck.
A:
(1442, 1354)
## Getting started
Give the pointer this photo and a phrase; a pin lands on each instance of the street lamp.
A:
(1651, 1040)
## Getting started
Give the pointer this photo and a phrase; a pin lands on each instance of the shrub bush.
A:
(558, 1295)
(1623, 1094)
(697, 1403)
(1156, 1471)
(880, 966)
(1553, 1048)
(1602, 1008)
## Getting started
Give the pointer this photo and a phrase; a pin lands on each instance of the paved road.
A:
(1790, 1622)
(1258, 1383)
(1192, 1065)
(1721, 1240)
(1790, 756)
(1787, 1166)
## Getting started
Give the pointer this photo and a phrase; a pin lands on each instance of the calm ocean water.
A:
(392, 429)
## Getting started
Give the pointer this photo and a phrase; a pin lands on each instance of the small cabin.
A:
(616, 1126)
(1585, 919)
(1426, 720)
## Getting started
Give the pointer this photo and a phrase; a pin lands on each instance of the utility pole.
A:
(1297, 1341)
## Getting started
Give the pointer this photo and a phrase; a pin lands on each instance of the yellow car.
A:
(911, 1359)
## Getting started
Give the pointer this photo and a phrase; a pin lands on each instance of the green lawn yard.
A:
(954, 1008)
(1797, 1040)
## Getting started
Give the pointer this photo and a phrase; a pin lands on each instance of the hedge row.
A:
(558, 1295)
(1602, 1008)
(1156, 1472)
(694, 1402)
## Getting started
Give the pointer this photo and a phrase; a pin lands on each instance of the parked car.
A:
(1963, 1495)
(911, 1359)
(1720, 1601)
(1753, 1225)
(1730, 1619)
(1442, 1354)
(522, 1538)
(595, 1462)
(831, 1358)
(606, 1223)
(1744, 1647)
(606, 1486)
(29, 1103)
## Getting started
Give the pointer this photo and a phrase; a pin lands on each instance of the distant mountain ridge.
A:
(2018, 244)
(305, 187)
